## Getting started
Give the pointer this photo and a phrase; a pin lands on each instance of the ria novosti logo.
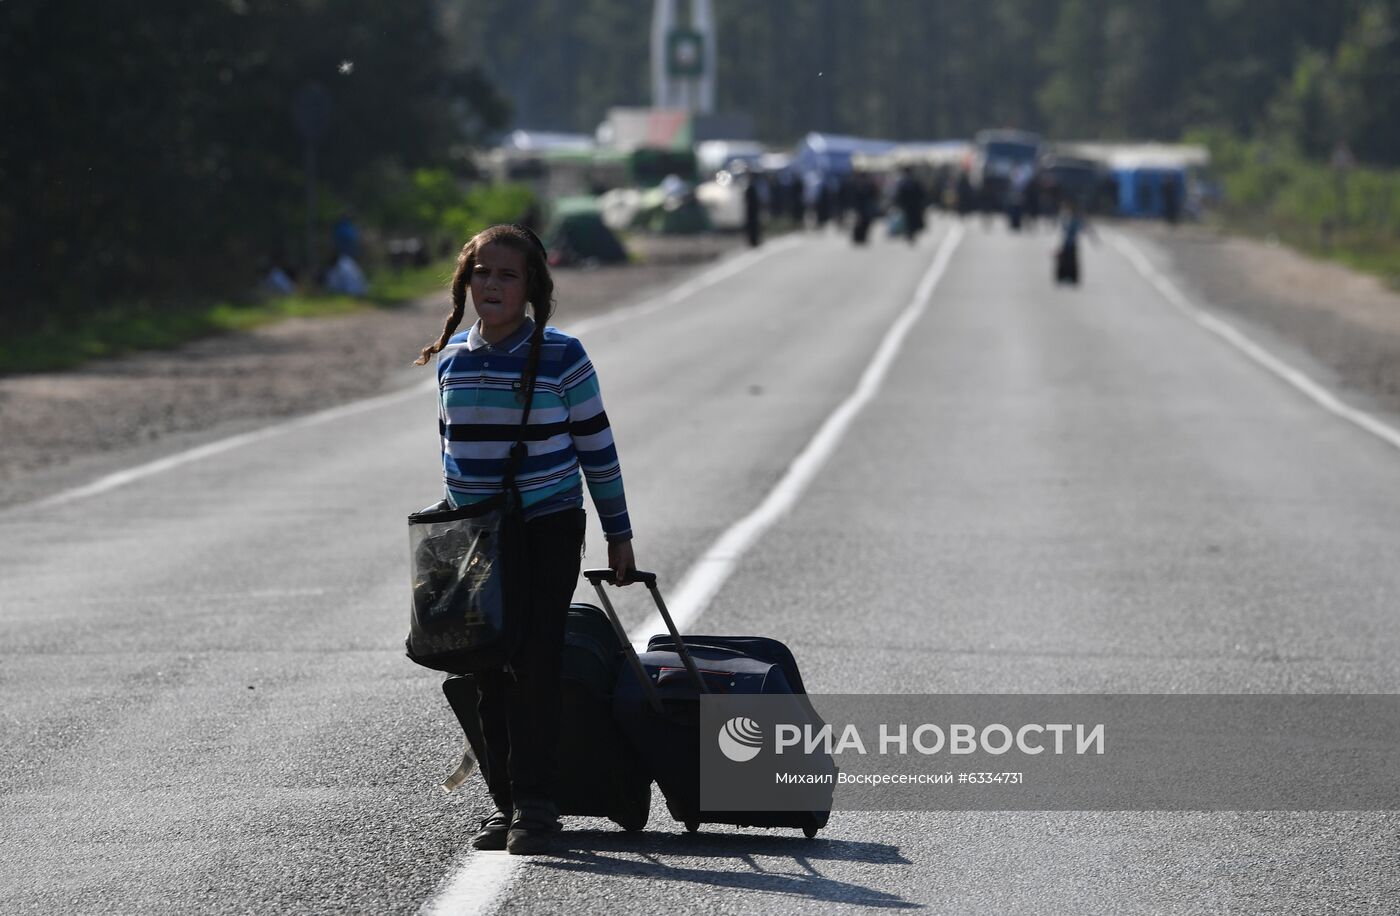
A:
(740, 739)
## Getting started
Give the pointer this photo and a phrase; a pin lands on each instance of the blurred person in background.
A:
(1021, 179)
(822, 201)
(1171, 200)
(1072, 225)
(863, 194)
(911, 200)
(798, 202)
(964, 194)
(753, 210)
(1033, 197)
(346, 237)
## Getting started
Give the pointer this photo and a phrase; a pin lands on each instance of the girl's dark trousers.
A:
(519, 708)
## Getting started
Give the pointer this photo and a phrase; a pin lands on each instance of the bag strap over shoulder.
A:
(518, 451)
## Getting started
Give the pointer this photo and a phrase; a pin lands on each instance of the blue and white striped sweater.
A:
(479, 411)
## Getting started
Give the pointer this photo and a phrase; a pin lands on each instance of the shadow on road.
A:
(645, 856)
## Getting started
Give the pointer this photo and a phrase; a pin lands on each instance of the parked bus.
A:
(996, 155)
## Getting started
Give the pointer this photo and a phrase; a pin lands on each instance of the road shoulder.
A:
(64, 429)
(1346, 324)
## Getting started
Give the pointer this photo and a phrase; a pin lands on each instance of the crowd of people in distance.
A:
(859, 198)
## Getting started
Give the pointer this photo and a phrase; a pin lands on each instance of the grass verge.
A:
(1375, 253)
(1349, 215)
(131, 326)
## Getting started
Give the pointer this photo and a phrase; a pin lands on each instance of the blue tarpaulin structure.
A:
(1143, 172)
(831, 153)
(1142, 190)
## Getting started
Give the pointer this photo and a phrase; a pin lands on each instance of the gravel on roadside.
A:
(62, 429)
(59, 430)
(1344, 320)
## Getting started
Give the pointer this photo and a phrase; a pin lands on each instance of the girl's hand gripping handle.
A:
(622, 562)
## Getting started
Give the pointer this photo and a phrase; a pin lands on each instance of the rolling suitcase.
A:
(599, 774)
(657, 706)
(1067, 264)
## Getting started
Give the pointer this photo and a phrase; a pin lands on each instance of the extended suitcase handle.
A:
(607, 575)
(598, 577)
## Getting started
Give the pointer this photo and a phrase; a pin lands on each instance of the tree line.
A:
(151, 152)
(1308, 73)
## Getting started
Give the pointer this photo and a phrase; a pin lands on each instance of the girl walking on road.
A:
(483, 373)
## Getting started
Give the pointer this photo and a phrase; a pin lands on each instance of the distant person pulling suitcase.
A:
(1067, 254)
(482, 373)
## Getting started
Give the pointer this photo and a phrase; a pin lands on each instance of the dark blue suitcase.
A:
(599, 775)
(657, 707)
(760, 647)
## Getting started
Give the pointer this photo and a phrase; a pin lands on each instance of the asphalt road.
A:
(206, 707)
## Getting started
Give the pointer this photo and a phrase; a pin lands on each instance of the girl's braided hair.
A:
(539, 288)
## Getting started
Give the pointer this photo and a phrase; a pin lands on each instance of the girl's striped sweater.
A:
(479, 409)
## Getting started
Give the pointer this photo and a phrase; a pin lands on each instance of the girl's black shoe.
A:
(492, 835)
(532, 833)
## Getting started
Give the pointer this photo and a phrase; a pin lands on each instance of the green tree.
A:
(562, 62)
(1307, 111)
(1075, 57)
(150, 151)
(1367, 68)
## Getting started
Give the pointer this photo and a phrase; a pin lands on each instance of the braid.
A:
(460, 279)
(532, 365)
(541, 303)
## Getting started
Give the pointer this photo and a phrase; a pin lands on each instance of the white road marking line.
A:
(130, 475)
(476, 888)
(727, 268)
(708, 574)
(1238, 339)
(482, 878)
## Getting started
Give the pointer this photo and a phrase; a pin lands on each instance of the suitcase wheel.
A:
(692, 826)
(631, 825)
(809, 831)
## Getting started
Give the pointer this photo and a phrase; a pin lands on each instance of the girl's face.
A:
(498, 288)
